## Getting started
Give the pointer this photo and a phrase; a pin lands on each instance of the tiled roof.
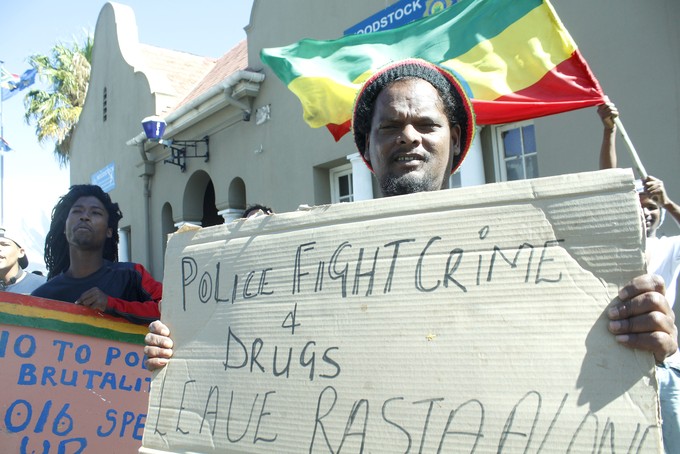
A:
(182, 70)
(190, 75)
(234, 60)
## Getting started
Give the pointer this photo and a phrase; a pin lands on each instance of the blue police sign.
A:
(398, 14)
(105, 178)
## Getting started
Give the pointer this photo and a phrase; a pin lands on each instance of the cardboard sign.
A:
(72, 379)
(467, 320)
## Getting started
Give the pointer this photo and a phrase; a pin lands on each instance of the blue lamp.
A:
(154, 127)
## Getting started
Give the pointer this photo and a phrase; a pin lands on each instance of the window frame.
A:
(334, 175)
(500, 166)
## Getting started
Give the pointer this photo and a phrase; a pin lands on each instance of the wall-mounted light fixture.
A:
(154, 127)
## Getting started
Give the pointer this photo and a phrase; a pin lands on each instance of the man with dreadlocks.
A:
(81, 254)
(413, 124)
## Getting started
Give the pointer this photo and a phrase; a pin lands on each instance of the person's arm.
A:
(142, 312)
(158, 348)
(607, 113)
(643, 319)
(655, 188)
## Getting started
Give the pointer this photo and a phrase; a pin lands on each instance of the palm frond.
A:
(55, 111)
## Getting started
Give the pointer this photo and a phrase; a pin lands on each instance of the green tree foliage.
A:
(55, 111)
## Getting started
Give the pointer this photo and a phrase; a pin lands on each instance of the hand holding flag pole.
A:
(631, 148)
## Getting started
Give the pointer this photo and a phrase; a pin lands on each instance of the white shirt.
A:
(664, 259)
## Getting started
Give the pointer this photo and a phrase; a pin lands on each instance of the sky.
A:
(32, 178)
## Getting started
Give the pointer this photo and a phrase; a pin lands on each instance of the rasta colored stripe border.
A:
(34, 316)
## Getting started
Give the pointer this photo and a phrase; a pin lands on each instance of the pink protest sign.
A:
(73, 380)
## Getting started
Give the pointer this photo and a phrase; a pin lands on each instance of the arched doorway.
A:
(167, 227)
(198, 204)
(210, 216)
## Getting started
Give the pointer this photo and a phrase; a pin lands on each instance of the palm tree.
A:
(56, 110)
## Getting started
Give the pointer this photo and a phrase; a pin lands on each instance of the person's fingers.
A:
(659, 343)
(643, 319)
(644, 304)
(86, 300)
(155, 340)
(156, 357)
(646, 323)
(152, 351)
(158, 327)
(653, 187)
(83, 298)
(608, 109)
(640, 285)
(155, 363)
(90, 297)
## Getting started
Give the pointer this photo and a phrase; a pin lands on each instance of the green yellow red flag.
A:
(516, 57)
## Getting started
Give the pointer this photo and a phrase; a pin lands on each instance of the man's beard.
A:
(408, 184)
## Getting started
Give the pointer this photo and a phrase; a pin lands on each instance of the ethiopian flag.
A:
(515, 55)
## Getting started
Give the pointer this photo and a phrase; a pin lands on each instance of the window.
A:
(342, 186)
(515, 146)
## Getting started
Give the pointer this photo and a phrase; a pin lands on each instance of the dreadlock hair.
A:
(457, 106)
(57, 259)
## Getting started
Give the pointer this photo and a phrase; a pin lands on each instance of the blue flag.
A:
(4, 146)
(7, 79)
(26, 80)
(8, 93)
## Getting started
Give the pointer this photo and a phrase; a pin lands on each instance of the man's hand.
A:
(94, 298)
(655, 188)
(643, 319)
(607, 113)
(158, 348)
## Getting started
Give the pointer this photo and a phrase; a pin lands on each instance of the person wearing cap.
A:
(81, 254)
(13, 262)
(413, 125)
(663, 259)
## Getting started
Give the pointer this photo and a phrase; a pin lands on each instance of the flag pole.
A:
(633, 154)
(2, 163)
